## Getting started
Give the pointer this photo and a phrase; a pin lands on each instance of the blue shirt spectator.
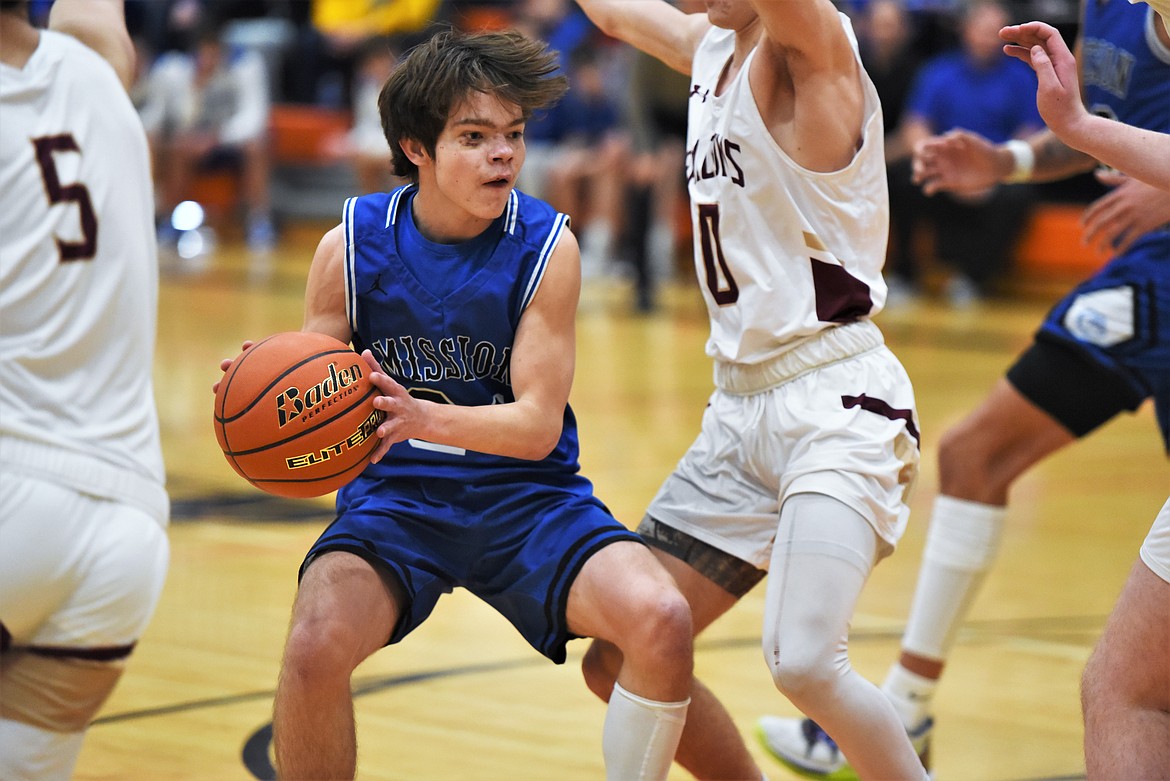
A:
(955, 90)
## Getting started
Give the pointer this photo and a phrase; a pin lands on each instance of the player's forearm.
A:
(653, 26)
(100, 25)
(1052, 160)
(516, 430)
(1142, 154)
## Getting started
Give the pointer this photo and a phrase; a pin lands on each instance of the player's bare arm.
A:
(807, 83)
(541, 368)
(654, 26)
(324, 294)
(100, 25)
(325, 310)
(1141, 153)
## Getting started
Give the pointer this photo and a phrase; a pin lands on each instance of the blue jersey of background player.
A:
(1118, 318)
(462, 295)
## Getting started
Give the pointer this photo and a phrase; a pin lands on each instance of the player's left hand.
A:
(1058, 92)
(1120, 217)
(404, 413)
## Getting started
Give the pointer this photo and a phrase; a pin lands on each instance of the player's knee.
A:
(801, 675)
(55, 694)
(1111, 681)
(662, 632)
(1096, 688)
(319, 649)
(956, 458)
(600, 667)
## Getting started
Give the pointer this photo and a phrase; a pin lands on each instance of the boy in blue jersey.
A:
(461, 293)
(1125, 689)
(1102, 350)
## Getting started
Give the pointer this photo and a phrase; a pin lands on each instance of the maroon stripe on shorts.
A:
(879, 407)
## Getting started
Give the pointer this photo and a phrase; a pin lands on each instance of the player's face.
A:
(478, 155)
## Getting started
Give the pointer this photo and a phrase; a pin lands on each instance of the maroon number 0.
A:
(719, 280)
(76, 192)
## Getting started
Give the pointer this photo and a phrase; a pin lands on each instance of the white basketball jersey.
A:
(781, 252)
(78, 263)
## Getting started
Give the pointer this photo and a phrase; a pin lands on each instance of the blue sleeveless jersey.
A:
(1126, 76)
(1119, 317)
(452, 346)
(1125, 68)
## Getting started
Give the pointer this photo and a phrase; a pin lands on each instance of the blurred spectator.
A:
(975, 88)
(365, 144)
(890, 53)
(321, 66)
(564, 28)
(592, 151)
(209, 110)
(887, 40)
(577, 150)
(657, 99)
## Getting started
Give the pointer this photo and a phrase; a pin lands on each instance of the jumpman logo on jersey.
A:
(697, 89)
(377, 286)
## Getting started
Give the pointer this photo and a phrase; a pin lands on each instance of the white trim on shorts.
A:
(1155, 550)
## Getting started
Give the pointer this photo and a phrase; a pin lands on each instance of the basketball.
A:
(294, 414)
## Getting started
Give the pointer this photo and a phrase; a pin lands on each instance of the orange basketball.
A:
(294, 414)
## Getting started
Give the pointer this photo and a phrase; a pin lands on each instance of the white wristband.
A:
(1024, 161)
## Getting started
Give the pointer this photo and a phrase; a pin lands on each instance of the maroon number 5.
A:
(75, 193)
(719, 280)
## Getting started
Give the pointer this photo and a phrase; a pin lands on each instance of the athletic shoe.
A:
(807, 750)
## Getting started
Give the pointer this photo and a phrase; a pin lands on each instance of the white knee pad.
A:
(29, 753)
(823, 554)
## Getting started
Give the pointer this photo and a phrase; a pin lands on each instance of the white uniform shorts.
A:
(1155, 551)
(842, 422)
(76, 571)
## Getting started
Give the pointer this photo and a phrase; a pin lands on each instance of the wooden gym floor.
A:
(465, 699)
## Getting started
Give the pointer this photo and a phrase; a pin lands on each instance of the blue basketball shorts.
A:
(516, 545)
(1105, 347)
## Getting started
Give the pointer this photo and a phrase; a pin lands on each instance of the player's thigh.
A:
(711, 580)
(78, 571)
(347, 600)
(57, 693)
(619, 588)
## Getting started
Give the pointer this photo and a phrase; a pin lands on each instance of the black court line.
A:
(255, 754)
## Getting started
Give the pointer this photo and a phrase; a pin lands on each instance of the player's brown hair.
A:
(438, 74)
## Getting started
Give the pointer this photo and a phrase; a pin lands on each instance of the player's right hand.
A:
(958, 162)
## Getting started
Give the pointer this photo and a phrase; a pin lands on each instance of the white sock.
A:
(910, 695)
(29, 753)
(640, 736)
